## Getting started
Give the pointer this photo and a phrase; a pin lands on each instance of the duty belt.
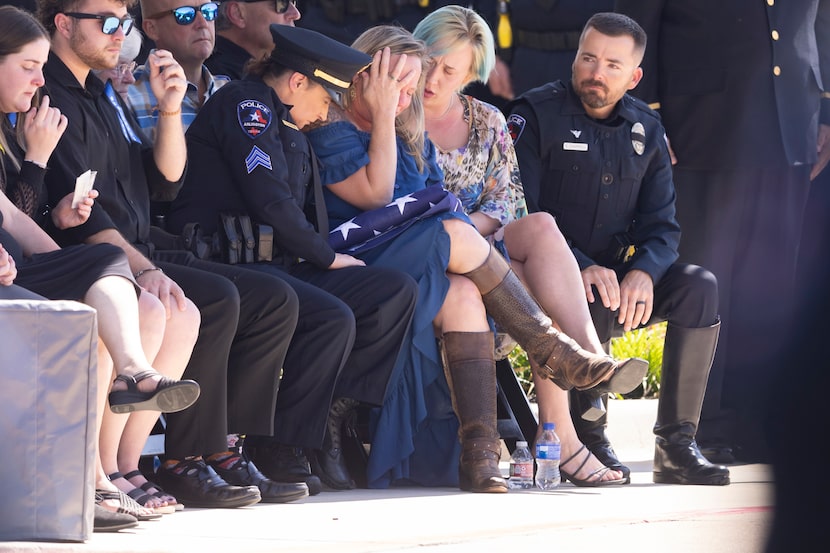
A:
(552, 41)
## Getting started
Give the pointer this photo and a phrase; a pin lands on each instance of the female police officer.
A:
(247, 155)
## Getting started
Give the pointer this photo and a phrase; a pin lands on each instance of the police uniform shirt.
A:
(228, 59)
(246, 155)
(103, 138)
(599, 179)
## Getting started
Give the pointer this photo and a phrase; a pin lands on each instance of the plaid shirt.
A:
(144, 105)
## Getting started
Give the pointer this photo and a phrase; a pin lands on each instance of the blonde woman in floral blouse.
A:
(475, 152)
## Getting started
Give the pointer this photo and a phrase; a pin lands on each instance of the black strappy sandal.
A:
(158, 494)
(141, 496)
(168, 397)
(593, 480)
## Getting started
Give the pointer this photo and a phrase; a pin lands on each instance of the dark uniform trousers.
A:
(351, 327)
(247, 322)
(686, 296)
(758, 309)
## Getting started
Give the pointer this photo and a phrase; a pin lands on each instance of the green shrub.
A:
(645, 343)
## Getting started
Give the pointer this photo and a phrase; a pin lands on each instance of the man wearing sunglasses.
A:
(246, 321)
(186, 29)
(243, 32)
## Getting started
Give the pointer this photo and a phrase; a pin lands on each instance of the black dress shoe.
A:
(282, 463)
(237, 471)
(195, 484)
(716, 453)
(109, 521)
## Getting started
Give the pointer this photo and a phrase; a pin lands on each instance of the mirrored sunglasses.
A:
(185, 15)
(109, 23)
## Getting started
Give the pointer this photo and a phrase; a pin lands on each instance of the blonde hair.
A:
(409, 125)
(451, 26)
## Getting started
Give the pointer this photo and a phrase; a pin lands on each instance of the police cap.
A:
(318, 57)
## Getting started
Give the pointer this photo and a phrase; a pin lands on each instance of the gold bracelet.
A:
(169, 113)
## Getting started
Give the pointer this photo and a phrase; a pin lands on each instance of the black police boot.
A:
(687, 358)
(591, 430)
(328, 463)
(281, 463)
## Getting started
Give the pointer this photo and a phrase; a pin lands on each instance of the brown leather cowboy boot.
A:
(560, 358)
(471, 374)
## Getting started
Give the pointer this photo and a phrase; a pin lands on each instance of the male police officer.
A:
(596, 159)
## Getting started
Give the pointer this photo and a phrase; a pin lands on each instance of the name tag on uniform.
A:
(575, 146)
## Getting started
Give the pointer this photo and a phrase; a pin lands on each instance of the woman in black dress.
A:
(131, 325)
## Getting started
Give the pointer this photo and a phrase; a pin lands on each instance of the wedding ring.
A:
(640, 302)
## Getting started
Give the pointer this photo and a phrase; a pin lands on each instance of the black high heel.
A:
(593, 480)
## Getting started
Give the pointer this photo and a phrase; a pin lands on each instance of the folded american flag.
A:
(374, 227)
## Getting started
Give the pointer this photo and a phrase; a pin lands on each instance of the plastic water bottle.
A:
(521, 468)
(547, 459)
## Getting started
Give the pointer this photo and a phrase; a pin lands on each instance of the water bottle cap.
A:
(549, 426)
(521, 444)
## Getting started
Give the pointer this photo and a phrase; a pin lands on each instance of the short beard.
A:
(95, 60)
(592, 99)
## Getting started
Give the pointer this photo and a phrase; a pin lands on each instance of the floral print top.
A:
(484, 173)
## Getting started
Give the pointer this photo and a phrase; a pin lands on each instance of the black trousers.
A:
(247, 322)
(744, 226)
(350, 330)
(686, 296)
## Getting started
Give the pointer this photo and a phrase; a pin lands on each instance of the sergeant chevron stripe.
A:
(257, 158)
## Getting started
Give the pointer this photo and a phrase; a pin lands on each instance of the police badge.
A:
(638, 138)
(254, 117)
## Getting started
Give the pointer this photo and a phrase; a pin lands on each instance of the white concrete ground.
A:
(642, 517)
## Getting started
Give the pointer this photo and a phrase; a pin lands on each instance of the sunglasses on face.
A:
(109, 23)
(186, 15)
(280, 6)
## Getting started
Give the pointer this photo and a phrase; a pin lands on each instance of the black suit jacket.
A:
(711, 66)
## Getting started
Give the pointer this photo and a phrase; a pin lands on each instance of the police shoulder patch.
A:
(515, 124)
(254, 117)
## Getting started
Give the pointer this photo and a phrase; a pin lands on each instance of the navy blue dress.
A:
(415, 432)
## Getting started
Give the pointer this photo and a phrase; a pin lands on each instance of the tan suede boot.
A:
(560, 358)
(471, 374)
